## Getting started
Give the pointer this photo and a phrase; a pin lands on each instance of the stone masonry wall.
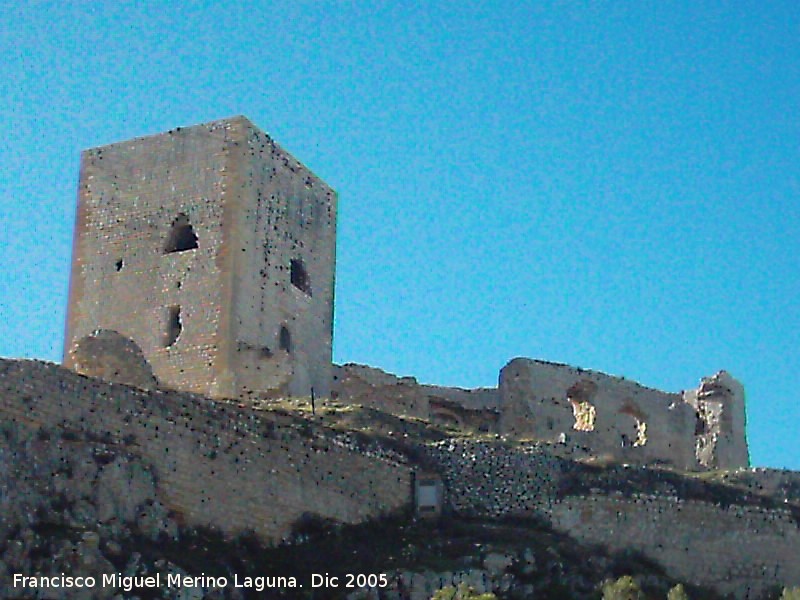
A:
(122, 280)
(497, 480)
(780, 484)
(214, 463)
(610, 417)
(743, 548)
(720, 433)
(622, 419)
(745, 551)
(375, 388)
(236, 469)
(108, 355)
(284, 254)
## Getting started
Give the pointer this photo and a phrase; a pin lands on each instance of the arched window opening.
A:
(285, 339)
(585, 416)
(446, 418)
(299, 276)
(174, 326)
(641, 433)
(636, 435)
(182, 236)
(579, 396)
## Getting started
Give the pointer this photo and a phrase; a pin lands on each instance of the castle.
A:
(202, 291)
(206, 254)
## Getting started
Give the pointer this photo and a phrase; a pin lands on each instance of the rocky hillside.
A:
(79, 504)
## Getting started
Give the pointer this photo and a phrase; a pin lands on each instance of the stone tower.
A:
(212, 250)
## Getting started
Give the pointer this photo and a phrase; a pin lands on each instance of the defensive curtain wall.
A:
(214, 463)
(225, 465)
(607, 416)
(475, 409)
(699, 532)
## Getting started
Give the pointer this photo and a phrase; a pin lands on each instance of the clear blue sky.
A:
(611, 185)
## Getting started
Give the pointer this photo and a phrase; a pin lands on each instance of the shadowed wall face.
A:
(212, 250)
(625, 421)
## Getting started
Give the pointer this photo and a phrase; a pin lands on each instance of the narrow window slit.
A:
(285, 339)
(174, 326)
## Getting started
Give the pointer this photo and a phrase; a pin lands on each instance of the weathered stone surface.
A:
(122, 457)
(107, 459)
(738, 550)
(623, 420)
(720, 430)
(735, 543)
(204, 261)
(108, 355)
(471, 409)
(613, 419)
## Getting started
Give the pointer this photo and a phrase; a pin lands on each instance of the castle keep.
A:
(208, 252)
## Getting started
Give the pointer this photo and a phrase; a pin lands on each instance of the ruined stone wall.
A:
(194, 461)
(622, 419)
(611, 418)
(368, 386)
(213, 463)
(110, 356)
(720, 426)
(780, 484)
(374, 388)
